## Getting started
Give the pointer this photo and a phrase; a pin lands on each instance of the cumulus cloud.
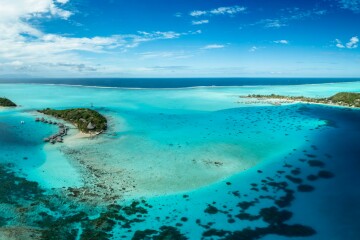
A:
(14, 10)
(353, 43)
(26, 46)
(282, 41)
(200, 22)
(219, 11)
(213, 46)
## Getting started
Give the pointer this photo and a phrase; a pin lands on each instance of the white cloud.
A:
(293, 14)
(339, 44)
(353, 43)
(227, 10)
(169, 55)
(56, 48)
(146, 36)
(62, 1)
(14, 16)
(132, 40)
(197, 13)
(353, 5)
(282, 41)
(253, 49)
(273, 23)
(219, 11)
(213, 46)
(200, 22)
(14, 10)
(178, 14)
(25, 46)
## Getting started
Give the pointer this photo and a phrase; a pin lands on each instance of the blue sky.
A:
(177, 38)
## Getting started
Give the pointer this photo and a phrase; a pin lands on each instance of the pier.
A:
(58, 137)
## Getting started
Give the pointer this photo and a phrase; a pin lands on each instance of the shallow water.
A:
(182, 149)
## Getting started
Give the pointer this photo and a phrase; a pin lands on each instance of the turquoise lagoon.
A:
(183, 163)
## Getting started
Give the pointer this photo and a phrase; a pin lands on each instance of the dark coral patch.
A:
(316, 163)
(165, 232)
(305, 188)
(325, 174)
(312, 177)
(247, 216)
(295, 171)
(285, 200)
(294, 179)
(211, 209)
(245, 204)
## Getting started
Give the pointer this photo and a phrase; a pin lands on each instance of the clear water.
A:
(182, 149)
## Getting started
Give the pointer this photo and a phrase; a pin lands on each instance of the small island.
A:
(4, 102)
(344, 99)
(86, 120)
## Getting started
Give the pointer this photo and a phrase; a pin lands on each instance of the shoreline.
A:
(277, 101)
(296, 102)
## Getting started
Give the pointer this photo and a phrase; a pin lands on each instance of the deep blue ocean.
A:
(177, 82)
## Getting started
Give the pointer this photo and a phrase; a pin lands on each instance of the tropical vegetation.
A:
(4, 102)
(86, 120)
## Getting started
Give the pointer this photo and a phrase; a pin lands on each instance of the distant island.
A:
(4, 102)
(86, 120)
(344, 99)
